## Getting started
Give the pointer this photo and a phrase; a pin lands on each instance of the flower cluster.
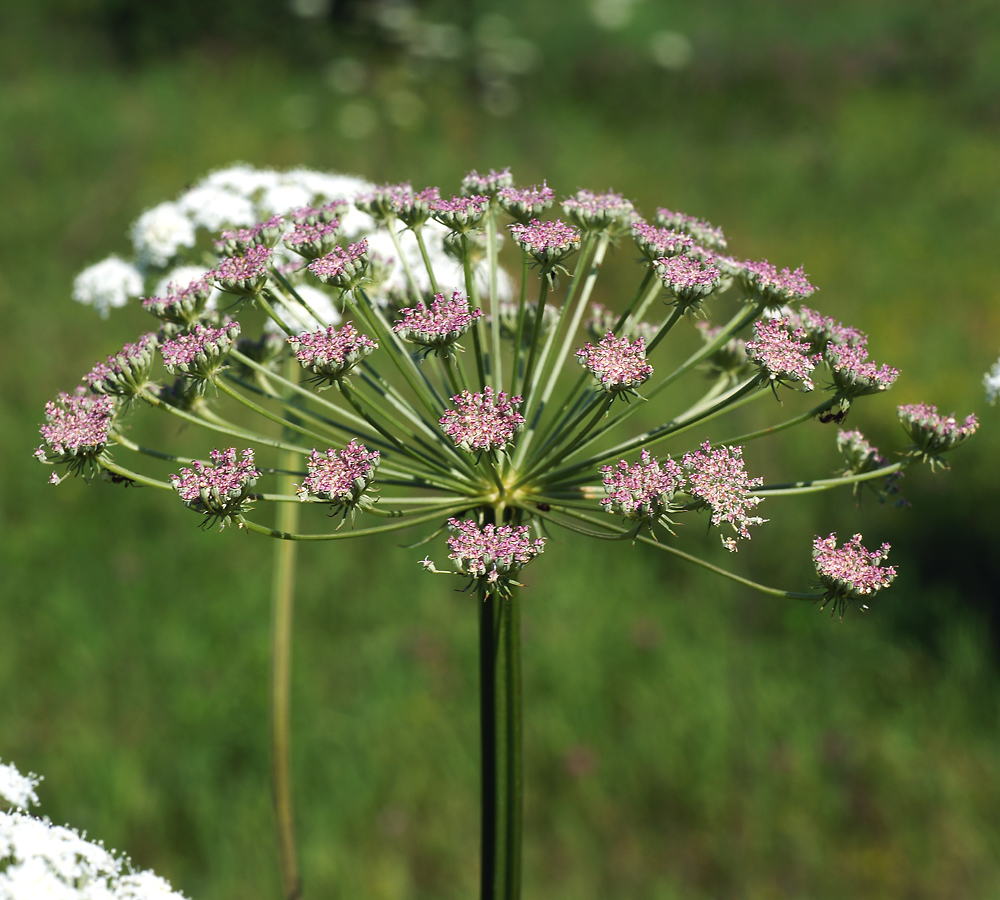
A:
(850, 572)
(660, 243)
(243, 275)
(342, 268)
(460, 214)
(617, 363)
(773, 288)
(76, 430)
(41, 860)
(933, 434)
(854, 374)
(181, 305)
(438, 326)
(703, 233)
(330, 354)
(125, 374)
(483, 421)
(219, 491)
(525, 203)
(201, 352)
(643, 491)
(340, 477)
(782, 354)
(546, 242)
(718, 478)
(312, 240)
(487, 185)
(599, 212)
(688, 280)
(492, 553)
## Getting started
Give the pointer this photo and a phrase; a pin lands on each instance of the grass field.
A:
(684, 739)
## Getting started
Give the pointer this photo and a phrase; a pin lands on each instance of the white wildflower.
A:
(991, 381)
(17, 790)
(42, 861)
(107, 285)
(160, 232)
(283, 197)
(241, 179)
(215, 208)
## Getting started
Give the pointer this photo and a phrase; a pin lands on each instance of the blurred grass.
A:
(683, 738)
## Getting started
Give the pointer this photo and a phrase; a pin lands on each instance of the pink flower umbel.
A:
(850, 572)
(822, 331)
(414, 208)
(76, 430)
(933, 434)
(599, 212)
(773, 288)
(482, 421)
(643, 491)
(181, 306)
(219, 491)
(312, 241)
(703, 233)
(340, 477)
(547, 242)
(493, 553)
(782, 354)
(342, 268)
(525, 203)
(438, 326)
(617, 363)
(860, 457)
(688, 281)
(381, 204)
(719, 478)
(486, 185)
(243, 275)
(318, 215)
(854, 374)
(240, 241)
(330, 354)
(660, 243)
(127, 372)
(460, 214)
(201, 352)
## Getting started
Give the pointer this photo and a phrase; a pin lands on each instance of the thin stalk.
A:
(287, 285)
(390, 226)
(106, 463)
(781, 426)
(536, 334)
(647, 280)
(825, 484)
(418, 233)
(472, 294)
(282, 600)
(762, 588)
(270, 311)
(361, 532)
(501, 745)
(676, 314)
(491, 255)
(648, 299)
(519, 335)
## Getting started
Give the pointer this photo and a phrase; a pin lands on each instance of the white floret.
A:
(991, 381)
(17, 790)
(241, 179)
(160, 232)
(107, 285)
(215, 208)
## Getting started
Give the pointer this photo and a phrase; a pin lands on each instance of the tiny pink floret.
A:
(719, 478)
(482, 421)
(492, 552)
(617, 363)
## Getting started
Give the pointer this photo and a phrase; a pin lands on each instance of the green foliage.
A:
(683, 739)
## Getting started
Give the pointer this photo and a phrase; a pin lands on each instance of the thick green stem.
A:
(500, 731)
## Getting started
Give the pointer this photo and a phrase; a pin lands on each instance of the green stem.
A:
(675, 316)
(647, 280)
(418, 233)
(501, 744)
(825, 484)
(491, 252)
(361, 532)
(519, 335)
(390, 226)
(472, 293)
(282, 600)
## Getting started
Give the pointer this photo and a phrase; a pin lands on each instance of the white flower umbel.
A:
(159, 233)
(107, 285)
(215, 208)
(42, 861)
(181, 277)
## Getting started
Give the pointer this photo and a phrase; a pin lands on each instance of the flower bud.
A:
(219, 491)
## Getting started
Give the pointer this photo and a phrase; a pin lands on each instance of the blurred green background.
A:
(684, 738)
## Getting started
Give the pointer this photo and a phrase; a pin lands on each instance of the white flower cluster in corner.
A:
(991, 381)
(42, 861)
(165, 238)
